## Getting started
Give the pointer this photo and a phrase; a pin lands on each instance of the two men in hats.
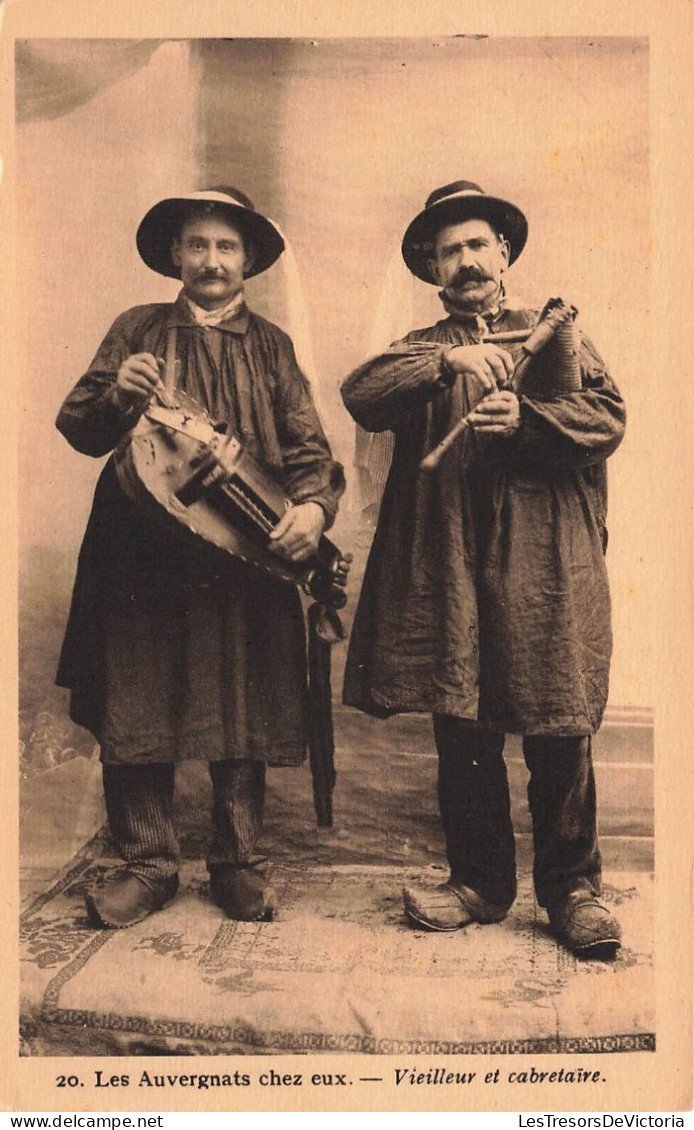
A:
(174, 650)
(485, 600)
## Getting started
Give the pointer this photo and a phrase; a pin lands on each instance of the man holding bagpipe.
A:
(485, 599)
(175, 649)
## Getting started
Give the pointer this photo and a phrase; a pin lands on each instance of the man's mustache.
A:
(471, 275)
(210, 276)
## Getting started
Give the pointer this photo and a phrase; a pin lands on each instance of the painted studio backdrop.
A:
(340, 142)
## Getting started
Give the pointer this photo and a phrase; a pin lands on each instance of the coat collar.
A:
(180, 316)
(507, 310)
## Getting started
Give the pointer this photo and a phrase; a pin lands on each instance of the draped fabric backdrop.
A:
(340, 142)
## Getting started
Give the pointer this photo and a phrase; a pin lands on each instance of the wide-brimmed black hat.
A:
(162, 225)
(453, 204)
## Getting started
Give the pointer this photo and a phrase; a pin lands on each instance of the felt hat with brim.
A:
(453, 204)
(162, 225)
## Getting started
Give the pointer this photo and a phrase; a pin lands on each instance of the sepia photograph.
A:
(336, 616)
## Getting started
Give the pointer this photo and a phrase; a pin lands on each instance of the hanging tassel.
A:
(321, 740)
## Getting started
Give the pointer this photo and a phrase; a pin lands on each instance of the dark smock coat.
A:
(174, 649)
(486, 593)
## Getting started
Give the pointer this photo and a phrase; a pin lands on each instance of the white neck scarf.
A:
(214, 317)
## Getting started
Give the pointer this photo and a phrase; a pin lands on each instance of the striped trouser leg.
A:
(139, 804)
(238, 792)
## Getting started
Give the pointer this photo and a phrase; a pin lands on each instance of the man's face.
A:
(212, 257)
(468, 262)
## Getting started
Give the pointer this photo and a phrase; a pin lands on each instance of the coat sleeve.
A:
(89, 418)
(310, 472)
(577, 428)
(382, 391)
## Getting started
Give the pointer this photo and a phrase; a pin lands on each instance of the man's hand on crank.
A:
(298, 532)
(137, 379)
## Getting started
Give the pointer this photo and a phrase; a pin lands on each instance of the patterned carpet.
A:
(339, 970)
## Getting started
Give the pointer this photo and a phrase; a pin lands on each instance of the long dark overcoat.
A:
(486, 594)
(173, 649)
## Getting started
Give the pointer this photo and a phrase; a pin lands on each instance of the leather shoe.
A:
(448, 907)
(243, 893)
(585, 926)
(126, 898)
